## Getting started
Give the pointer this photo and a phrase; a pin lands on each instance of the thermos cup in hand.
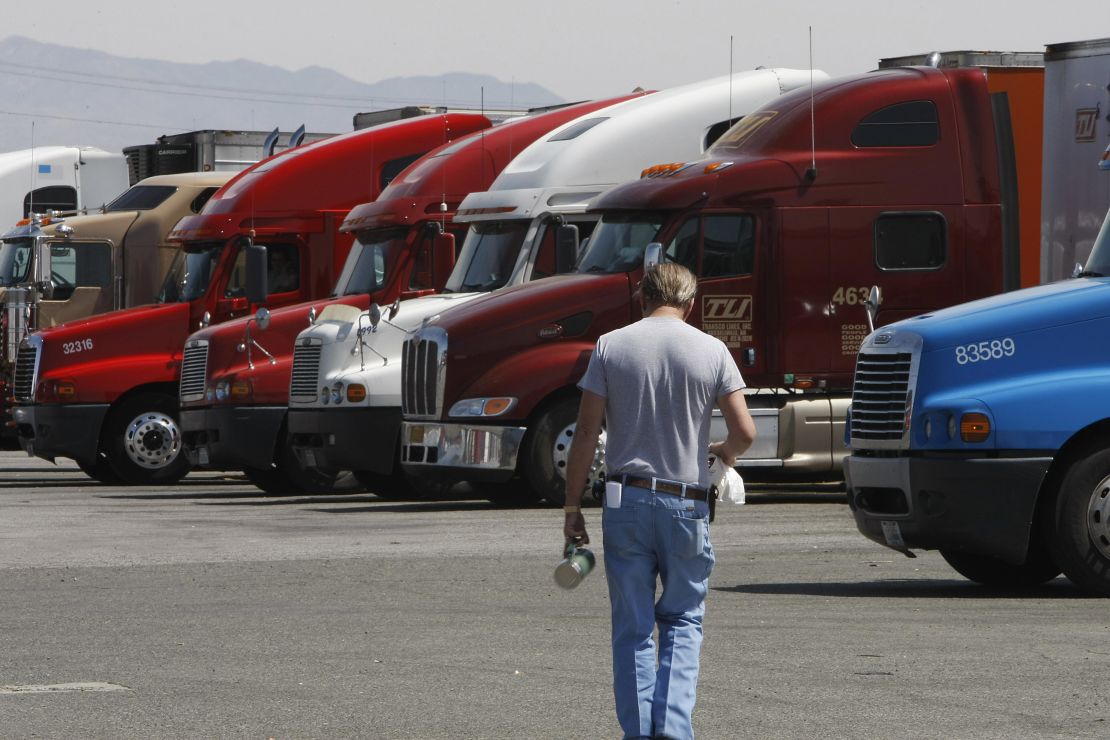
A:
(577, 564)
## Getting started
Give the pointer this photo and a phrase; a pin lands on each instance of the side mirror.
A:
(566, 248)
(312, 316)
(258, 286)
(375, 314)
(394, 308)
(262, 318)
(443, 258)
(653, 255)
(43, 268)
(871, 305)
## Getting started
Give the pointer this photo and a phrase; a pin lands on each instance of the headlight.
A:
(223, 389)
(482, 406)
(325, 395)
(337, 392)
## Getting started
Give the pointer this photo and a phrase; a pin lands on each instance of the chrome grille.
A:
(881, 396)
(194, 370)
(304, 382)
(26, 366)
(421, 376)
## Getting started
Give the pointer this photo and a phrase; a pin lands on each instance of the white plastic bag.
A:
(730, 486)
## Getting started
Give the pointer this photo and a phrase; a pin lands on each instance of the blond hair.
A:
(668, 284)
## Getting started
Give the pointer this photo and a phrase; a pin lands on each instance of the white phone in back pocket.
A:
(613, 494)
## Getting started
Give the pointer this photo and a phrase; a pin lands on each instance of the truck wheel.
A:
(1081, 537)
(100, 471)
(1000, 574)
(287, 477)
(143, 440)
(546, 457)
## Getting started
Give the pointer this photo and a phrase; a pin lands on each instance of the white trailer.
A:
(1075, 193)
(539, 200)
(58, 178)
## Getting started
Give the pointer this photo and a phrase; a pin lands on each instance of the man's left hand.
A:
(574, 527)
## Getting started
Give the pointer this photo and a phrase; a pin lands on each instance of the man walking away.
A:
(655, 383)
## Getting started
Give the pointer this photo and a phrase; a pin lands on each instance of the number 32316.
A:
(995, 349)
(81, 345)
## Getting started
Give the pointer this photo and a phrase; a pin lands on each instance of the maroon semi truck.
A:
(104, 391)
(896, 178)
(235, 386)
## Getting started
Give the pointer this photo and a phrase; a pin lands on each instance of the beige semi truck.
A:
(58, 269)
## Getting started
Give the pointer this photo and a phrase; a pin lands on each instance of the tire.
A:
(999, 574)
(1080, 537)
(286, 476)
(100, 471)
(548, 448)
(142, 440)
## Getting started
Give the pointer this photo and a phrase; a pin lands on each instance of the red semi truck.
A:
(235, 382)
(892, 178)
(104, 391)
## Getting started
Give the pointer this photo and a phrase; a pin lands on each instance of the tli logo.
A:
(1085, 119)
(726, 307)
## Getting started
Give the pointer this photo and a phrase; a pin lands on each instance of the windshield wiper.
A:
(1090, 273)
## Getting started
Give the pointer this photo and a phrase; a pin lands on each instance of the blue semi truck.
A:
(983, 431)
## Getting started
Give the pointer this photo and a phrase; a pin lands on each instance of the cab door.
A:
(914, 255)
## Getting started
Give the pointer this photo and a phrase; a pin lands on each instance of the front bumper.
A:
(353, 438)
(460, 451)
(231, 437)
(977, 505)
(71, 431)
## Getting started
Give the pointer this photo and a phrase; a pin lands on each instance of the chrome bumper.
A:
(460, 446)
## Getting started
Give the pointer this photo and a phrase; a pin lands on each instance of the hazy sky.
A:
(576, 48)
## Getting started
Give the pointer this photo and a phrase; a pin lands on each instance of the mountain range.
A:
(64, 95)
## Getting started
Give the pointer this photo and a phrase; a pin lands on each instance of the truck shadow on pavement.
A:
(1058, 588)
(254, 497)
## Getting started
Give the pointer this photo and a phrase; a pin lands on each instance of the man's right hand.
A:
(574, 527)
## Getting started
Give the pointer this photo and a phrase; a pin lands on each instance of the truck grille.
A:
(26, 366)
(194, 370)
(881, 396)
(421, 373)
(303, 385)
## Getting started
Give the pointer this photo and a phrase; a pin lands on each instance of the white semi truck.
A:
(520, 231)
(58, 178)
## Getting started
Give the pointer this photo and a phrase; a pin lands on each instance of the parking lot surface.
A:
(207, 609)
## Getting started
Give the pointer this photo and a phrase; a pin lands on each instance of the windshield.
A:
(488, 256)
(617, 244)
(141, 198)
(370, 261)
(1098, 264)
(190, 273)
(15, 261)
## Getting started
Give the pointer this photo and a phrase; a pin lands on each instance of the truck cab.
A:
(786, 227)
(103, 391)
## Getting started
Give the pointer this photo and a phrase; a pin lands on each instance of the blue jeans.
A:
(656, 535)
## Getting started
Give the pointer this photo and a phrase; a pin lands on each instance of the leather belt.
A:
(658, 485)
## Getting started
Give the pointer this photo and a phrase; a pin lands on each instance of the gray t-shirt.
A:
(660, 378)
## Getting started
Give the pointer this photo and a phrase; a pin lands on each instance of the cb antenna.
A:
(31, 198)
(811, 173)
(730, 80)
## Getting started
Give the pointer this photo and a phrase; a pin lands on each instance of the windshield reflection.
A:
(617, 244)
(15, 261)
(1098, 264)
(370, 261)
(488, 256)
(190, 273)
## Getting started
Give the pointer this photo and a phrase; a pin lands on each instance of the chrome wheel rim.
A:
(152, 440)
(560, 453)
(1098, 517)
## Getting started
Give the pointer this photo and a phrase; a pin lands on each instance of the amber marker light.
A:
(240, 389)
(65, 390)
(974, 427)
(495, 406)
(356, 392)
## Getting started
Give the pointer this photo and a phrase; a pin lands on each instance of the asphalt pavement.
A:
(207, 609)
